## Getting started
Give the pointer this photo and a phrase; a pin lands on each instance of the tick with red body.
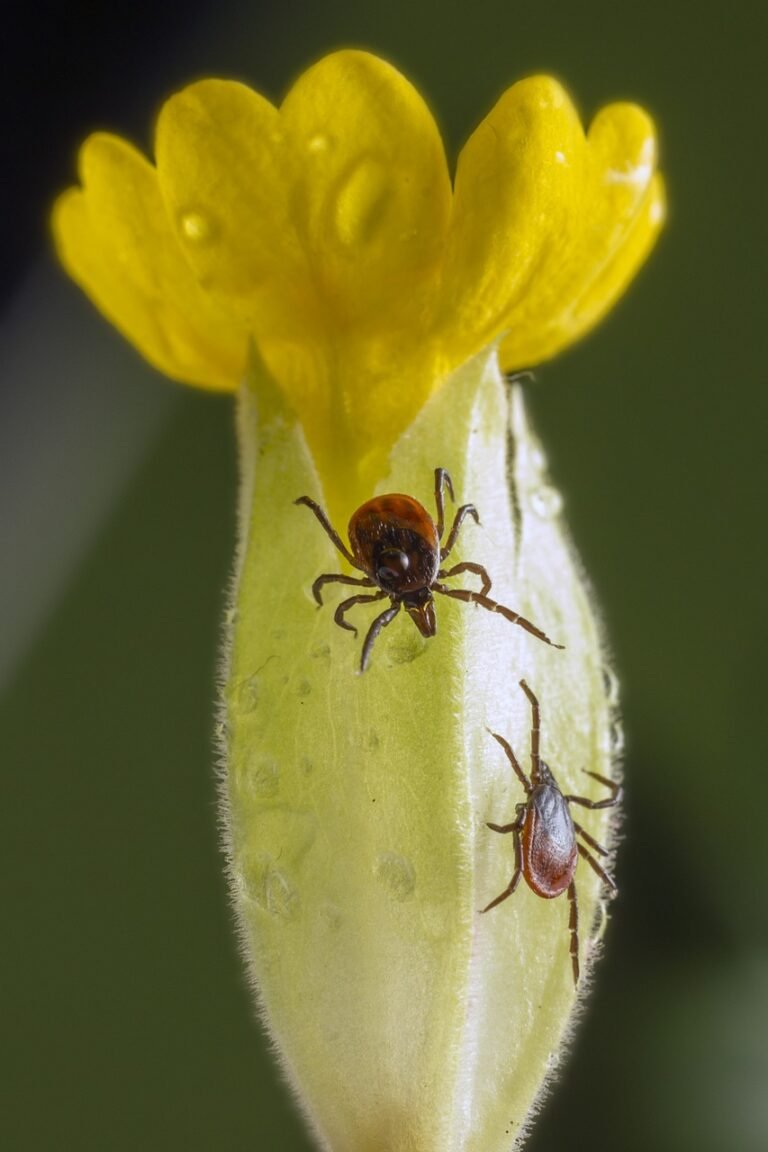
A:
(398, 547)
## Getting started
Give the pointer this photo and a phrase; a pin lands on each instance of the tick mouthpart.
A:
(422, 612)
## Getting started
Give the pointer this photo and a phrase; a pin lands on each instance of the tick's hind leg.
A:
(380, 622)
(591, 840)
(338, 578)
(344, 607)
(573, 927)
(328, 527)
(468, 566)
(598, 868)
(510, 888)
(491, 605)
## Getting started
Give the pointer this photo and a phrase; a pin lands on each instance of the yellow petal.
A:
(221, 163)
(323, 227)
(372, 193)
(514, 203)
(607, 286)
(549, 225)
(622, 210)
(114, 239)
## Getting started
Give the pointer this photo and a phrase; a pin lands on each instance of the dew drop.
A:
(617, 738)
(611, 685)
(197, 227)
(280, 895)
(331, 914)
(546, 502)
(396, 873)
(318, 143)
(406, 648)
(269, 889)
(263, 778)
(248, 694)
(361, 203)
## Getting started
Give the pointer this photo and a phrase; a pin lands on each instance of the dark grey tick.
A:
(545, 835)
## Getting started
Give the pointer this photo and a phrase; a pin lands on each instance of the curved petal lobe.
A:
(114, 239)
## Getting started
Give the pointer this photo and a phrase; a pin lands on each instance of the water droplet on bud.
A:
(546, 502)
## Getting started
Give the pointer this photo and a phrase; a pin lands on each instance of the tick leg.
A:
(330, 530)
(573, 926)
(513, 761)
(345, 606)
(379, 623)
(591, 840)
(442, 481)
(461, 515)
(606, 879)
(510, 888)
(337, 578)
(535, 727)
(468, 566)
(491, 605)
(610, 802)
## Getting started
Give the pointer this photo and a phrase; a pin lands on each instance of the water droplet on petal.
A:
(546, 502)
(196, 227)
(319, 142)
(361, 203)
(396, 873)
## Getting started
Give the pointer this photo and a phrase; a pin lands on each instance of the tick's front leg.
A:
(338, 578)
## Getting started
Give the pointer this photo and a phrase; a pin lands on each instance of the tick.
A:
(545, 834)
(398, 547)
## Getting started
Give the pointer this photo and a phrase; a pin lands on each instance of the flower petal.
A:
(622, 210)
(549, 225)
(222, 166)
(514, 202)
(114, 239)
(372, 193)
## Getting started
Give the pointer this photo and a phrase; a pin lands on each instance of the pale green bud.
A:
(355, 806)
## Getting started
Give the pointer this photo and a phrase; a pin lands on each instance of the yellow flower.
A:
(328, 230)
(316, 259)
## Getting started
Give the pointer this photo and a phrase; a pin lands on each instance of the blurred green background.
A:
(126, 1022)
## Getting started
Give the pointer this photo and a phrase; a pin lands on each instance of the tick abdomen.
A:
(548, 842)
